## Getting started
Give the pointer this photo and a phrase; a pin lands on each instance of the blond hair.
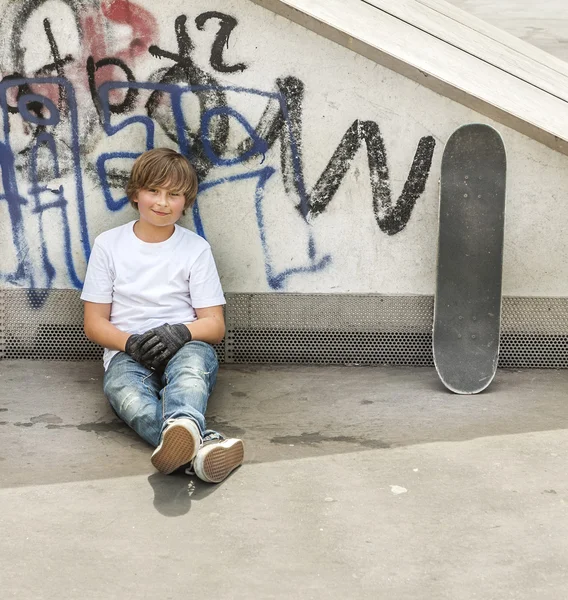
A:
(163, 167)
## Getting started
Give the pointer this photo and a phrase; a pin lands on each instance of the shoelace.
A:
(209, 436)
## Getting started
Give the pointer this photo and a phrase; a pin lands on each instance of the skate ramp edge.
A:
(452, 53)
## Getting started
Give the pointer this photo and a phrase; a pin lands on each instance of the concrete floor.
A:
(359, 483)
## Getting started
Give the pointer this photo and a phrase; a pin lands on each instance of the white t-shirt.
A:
(149, 284)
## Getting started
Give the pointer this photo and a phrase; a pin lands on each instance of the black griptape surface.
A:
(467, 309)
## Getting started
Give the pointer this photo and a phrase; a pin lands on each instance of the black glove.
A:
(167, 340)
(144, 348)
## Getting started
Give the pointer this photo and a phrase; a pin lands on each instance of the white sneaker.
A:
(217, 458)
(179, 445)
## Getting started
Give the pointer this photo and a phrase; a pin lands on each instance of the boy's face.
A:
(160, 206)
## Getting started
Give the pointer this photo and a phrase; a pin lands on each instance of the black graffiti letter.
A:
(228, 23)
(131, 93)
(23, 89)
(58, 62)
(272, 127)
(211, 96)
(391, 218)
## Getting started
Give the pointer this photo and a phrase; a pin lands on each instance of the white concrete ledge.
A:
(451, 53)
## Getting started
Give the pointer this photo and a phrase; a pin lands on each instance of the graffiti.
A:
(32, 108)
(131, 94)
(227, 25)
(207, 90)
(52, 141)
(390, 218)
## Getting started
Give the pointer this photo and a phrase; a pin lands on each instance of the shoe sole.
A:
(178, 448)
(220, 461)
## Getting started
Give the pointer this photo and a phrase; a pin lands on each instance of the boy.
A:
(153, 299)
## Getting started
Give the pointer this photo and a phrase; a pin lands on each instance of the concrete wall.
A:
(319, 168)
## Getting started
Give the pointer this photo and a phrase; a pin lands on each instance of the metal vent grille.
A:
(298, 328)
(534, 333)
(2, 324)
(327, 348)
(329, 329)
(377, 330)
(48, 325)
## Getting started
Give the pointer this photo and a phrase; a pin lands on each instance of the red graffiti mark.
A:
(96, 42)
(142, 22)
(95, 28)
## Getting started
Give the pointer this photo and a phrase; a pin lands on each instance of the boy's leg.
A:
(134, 393)
(190, 377)
(188, 380)
(217, 457)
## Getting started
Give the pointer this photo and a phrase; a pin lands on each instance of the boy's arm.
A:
(209, 326)
(100, 330)
(169, 339)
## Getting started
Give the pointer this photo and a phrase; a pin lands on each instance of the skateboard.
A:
(467, 305)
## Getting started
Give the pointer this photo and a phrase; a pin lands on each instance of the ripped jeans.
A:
(145, 400)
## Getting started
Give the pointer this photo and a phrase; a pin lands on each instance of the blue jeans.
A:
(145, 400)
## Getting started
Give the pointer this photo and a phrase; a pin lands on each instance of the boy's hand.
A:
(170, 339)
(144, 348)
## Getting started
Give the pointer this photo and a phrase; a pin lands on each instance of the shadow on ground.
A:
(56, 425)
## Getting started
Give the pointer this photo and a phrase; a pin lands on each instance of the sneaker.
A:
(179, 445)
(217, 458)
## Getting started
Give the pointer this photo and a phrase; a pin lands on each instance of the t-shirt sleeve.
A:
(98, 284)
(204, 285)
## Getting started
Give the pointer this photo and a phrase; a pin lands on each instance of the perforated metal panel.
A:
(298, 328)
(374, 330)
(329, 329)
(534, 333)
(48, 324)
(2, 324)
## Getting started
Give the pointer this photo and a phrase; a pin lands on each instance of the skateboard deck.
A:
(467, 306)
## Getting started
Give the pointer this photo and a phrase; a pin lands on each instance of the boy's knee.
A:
(198, 355)
(117, 392)
(129, 406)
